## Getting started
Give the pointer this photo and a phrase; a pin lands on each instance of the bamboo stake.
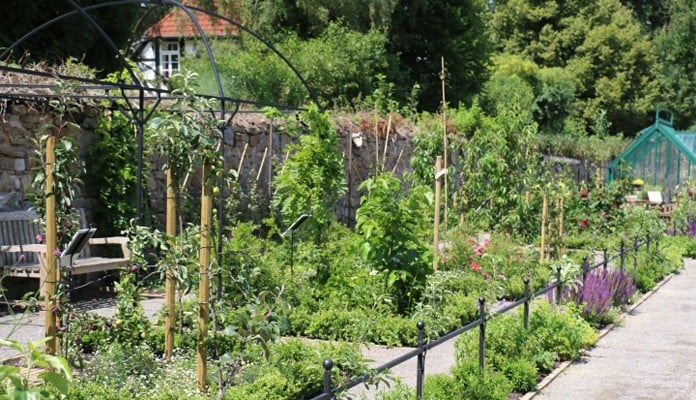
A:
(263, 160)
(543, 228)
(436, 227)
(170, 287)
(204, 284)
(560, 228)
(396, 164)
(376, 139)
(444, 132)
(386, 141)
(270, 161)
(241, 160)
(51, 277)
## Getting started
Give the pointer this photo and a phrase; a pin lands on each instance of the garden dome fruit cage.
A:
(661, 156)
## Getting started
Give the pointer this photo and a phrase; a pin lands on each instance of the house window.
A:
(169, 58)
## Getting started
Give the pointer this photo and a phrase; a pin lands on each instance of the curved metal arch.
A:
(83, 10)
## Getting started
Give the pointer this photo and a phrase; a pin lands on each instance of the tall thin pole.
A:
(544, 209)
(170, 288)
(436, 227)
(50, 279)
(444, 131)
(204, 284)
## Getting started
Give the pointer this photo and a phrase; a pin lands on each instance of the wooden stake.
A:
(436, 227)
(444, 132)
(263, 160)
(170, 285)
(396, 164)
(386, 141)
(560, 228)
(241, 160)
(204, 284)
(52, 273)
(270, 161)
(376, 139)
(543, 228)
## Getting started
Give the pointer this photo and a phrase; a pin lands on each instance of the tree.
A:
(679, 57)
(598, 43)
(423, 31)
(312, 178)
(71, 37)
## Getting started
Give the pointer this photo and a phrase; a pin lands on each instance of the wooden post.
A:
(543, 228)
(51, 275)
(204, 284)
(560, 228)
(436, 228)
(170, 286)
(270, 161)
(444, 131)
(386, 141)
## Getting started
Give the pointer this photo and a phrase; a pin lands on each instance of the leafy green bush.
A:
(440, 386)
(476, 384)
(561, 329)
(521, 373)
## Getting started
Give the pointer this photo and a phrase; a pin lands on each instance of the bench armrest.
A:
(119, 240)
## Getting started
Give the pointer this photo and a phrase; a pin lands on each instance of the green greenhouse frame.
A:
(661, 156)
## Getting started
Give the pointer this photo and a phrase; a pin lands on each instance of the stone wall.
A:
(252, 143)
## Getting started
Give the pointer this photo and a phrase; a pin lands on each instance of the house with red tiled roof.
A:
(173, 37)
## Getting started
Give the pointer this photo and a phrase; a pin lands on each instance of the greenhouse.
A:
(661, 156)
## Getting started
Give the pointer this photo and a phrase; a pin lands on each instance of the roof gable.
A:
(176, 24)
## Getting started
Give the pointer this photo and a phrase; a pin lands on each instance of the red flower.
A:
(475, 267)
(585, 223)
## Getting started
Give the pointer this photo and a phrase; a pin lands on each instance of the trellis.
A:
(133, 98)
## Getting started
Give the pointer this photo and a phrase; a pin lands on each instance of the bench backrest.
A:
(21, 227)
(18, 228)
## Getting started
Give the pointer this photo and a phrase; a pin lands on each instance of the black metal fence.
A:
(422, 348)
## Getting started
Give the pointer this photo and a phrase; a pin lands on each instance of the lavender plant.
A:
(601, 290)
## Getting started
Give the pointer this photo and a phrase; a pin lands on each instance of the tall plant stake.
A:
(170, 285)
(436, 228)
(544, 208)
(204, 284)
(444, 130)
(52, 273)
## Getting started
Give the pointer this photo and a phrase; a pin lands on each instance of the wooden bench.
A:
(22, 257)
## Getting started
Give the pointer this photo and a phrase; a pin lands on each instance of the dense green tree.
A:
(71, 37)
(599, 43)
(424, 31)
(679, 57)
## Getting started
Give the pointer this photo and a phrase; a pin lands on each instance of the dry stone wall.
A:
(254, 145)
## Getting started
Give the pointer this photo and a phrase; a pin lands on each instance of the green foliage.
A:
(585, 39)
(55, 377)
(67, 168)
(561, 330)
(677, 76)
(477, 384)
(390, 223)
(339, 65)
(311, 179)
(114, 177)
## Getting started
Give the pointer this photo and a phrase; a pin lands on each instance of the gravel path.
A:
(652, 355)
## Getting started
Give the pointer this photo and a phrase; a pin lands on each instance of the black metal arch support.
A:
(187, 9)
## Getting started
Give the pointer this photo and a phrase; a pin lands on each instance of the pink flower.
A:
(475, 267)
(39, 238)
(21, 257)
(486, 275)
(57, 252)
(133, 268)
(479, 251)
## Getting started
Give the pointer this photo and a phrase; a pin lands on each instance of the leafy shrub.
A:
(522, 374)
(440, 386)
(476, 384)
(561, 330)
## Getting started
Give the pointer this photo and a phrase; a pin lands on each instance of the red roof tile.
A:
(176, 24)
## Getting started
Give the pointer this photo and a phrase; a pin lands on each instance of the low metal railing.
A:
(422, 348)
